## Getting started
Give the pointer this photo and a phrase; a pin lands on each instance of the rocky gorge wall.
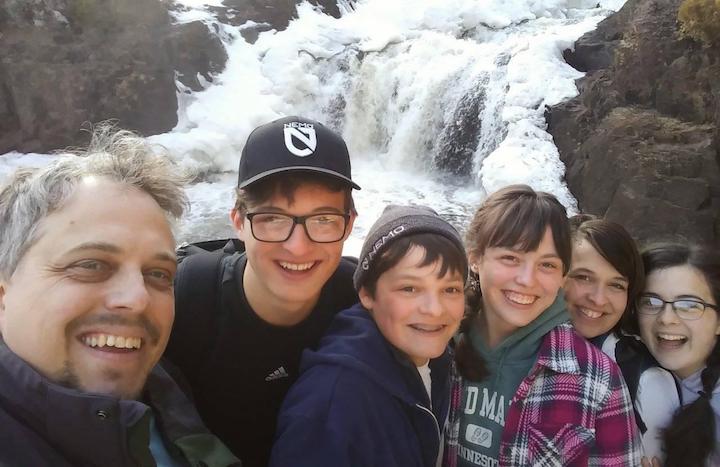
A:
(66, 63)
(641, 142)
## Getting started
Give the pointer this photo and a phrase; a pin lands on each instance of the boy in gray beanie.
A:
(377, 389)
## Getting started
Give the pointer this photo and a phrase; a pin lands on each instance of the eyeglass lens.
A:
(322, 228)
(688, 309)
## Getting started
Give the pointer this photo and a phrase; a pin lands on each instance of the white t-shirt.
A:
(427, 381)
(656, 401)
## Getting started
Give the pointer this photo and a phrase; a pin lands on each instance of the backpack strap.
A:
(633, 359)
(197, 299)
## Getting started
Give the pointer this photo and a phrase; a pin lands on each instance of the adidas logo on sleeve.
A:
(277, 374)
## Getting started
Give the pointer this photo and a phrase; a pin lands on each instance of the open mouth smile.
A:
(111, 341)
(519, 298)
(671, 340)
(296, 267)
(588, 313)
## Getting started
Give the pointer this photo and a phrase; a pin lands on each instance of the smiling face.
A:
(417, 311)
(681, 346)
(90, 304)
(517, 286)
(282, 281)
(596, 293)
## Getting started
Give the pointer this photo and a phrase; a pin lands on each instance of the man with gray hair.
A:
(87, 264)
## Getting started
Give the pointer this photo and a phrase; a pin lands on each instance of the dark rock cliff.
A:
(66, 63)
(641, 141)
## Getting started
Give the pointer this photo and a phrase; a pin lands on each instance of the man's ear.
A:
(2, 305)
(238, 222)
(366, 299)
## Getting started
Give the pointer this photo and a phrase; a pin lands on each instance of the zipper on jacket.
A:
(437, 425)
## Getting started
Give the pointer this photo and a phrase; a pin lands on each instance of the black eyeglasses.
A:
(686, 308)
(276, 228)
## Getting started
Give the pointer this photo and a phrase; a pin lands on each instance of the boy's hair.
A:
(436, 248)
(400, 222)
(286, 185)
(119, 156)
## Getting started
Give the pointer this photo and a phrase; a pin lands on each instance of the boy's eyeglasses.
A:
(277, 228)
(685, 308)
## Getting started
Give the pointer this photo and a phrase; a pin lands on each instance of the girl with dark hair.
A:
(531, 390)
(678, 320)
(606, 277)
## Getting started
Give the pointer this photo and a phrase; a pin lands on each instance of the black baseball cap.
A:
(294, 144)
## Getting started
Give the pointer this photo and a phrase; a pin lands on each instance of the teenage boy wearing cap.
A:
(376, 392)
(293, 211)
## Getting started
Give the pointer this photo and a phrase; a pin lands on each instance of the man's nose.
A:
(128, 291)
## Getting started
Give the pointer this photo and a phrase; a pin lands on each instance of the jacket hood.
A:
(354, 341)
(525, 341)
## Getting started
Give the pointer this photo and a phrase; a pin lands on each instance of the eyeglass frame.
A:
(298, 220)
(672, 306)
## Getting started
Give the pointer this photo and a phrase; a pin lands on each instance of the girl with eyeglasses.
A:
(605, 279)
(530, 391)
(678, 320)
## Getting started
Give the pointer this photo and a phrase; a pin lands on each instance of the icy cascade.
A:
(456, 87)
(441, 102)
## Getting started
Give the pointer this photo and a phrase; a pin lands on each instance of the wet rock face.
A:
(197, 54)
(67, 62)
(274, 14)
(641, 141)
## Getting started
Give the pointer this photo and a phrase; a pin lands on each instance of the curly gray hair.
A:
(117, 155)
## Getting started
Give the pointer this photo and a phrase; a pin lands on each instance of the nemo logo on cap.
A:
(302, 132)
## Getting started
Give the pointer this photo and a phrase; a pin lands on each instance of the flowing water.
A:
(440, 102)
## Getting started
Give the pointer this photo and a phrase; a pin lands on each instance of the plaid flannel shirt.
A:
(572, 409)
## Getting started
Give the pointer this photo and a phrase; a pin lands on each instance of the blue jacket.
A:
(360, 403)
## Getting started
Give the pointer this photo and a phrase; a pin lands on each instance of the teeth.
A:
(426, 328)
(671, 337)
(590, 313)
(519, 298)
(108, 340)
(297, 266)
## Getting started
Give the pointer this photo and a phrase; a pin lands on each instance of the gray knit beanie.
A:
(400, 221)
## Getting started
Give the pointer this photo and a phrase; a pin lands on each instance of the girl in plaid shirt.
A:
(530, 391)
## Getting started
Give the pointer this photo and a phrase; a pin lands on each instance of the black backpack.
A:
(633, 359)
(198, 285)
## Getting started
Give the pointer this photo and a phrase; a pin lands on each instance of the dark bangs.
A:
(702, 258)
(517, 217)
(615, 244)
(436, 248)
(286, 184)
